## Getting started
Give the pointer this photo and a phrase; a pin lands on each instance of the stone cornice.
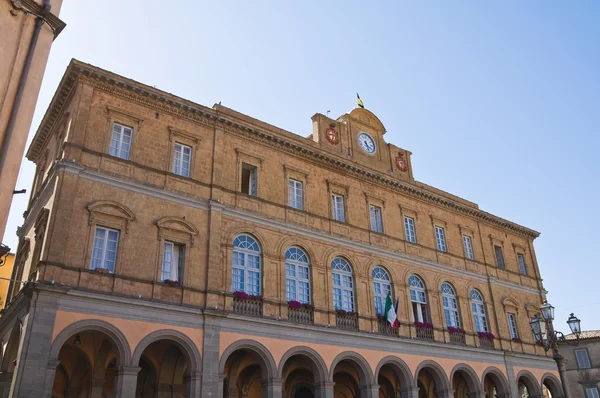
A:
(158, 99)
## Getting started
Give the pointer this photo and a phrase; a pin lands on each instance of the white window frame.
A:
(252, 179)
(592, 392)
(296, 194)
(512, 325)
(418, 298)
(118, 136)
(479, 314)
(410, 230)
(342, 280)
(376, 218)
(468, 244)
(337, 206)
(521, 262)
(450, 304)
(297, 275)
(585, 358)
(181, 166)
(247, 264)
(173, 261)
(102, 245)
(382, 288)
(440, 237)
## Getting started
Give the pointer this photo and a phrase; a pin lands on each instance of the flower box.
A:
(381, 317)
(424, 325)
(243, 296)
(344, 312)
(297, 305)
(101, 270)
(486, 335)
(172, 283)
(516, 339)
(452, 329)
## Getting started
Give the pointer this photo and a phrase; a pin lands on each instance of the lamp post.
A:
(544, 333)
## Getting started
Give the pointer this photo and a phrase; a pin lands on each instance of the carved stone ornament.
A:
(332, 135)
(401, 162)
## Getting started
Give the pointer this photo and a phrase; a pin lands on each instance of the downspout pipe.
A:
(39, 21)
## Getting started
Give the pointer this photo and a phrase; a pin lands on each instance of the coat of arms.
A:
(401, 162)
(332, 135)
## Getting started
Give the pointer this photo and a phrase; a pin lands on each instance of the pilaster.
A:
(370, 391)
(127, 381)
(272, 388)
(324, 390)
(409, 392)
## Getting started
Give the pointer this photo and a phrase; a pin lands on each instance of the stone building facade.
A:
(28, 29)
(172, 249)
(583, 364)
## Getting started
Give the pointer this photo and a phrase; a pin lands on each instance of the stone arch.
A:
(183, 342)
(335, 252)
(361, 113)
(437, 373)
(470, 377)
(499, 379)
(372, 264)
(365, 373)
(12, 347)
(177, 224)
(553, 384)
(121, 343)
(533, 386)
(268, 366)
(235, 230)
(319, 366)
(400, 367)
(288, 242)
(111, 208)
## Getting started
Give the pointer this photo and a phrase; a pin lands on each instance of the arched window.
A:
(478, 311)
(343, 285)
(246, 265)
(382, 288)
(418, 299)
(297, 275)
(450, 305)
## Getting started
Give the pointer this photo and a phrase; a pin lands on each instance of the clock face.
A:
(366, 143)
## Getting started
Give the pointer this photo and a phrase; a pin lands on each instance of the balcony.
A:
(251, 305)
(385, 328)
(346, 320)
(457, 336)
(424, 332)
(303, 314)
(486, 340)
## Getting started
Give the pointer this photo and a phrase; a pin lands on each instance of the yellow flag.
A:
(359, 101)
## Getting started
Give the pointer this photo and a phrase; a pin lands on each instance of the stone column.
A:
(193, 386)
(272, 388)
(126, 382)
(476, 394)
(211, 379)
(324, 390)
(409, 392)
(97, 386)
(370, 391)
(445, 393)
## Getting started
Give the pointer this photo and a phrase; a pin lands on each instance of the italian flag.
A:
(391, 312)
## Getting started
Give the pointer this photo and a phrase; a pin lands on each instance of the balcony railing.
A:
(457, 337)
(301, 315)
(249, 306)
(424, 333)
(386, 329)
(486, 342)
(347, 321)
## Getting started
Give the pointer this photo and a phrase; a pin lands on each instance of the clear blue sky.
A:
(498, 101)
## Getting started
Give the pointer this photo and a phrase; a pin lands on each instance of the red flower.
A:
(453, 329)
(516, 339)
(294, 304)
(486, 335)
(424, 325)
(240, 295)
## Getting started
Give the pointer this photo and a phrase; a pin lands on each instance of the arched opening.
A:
(392, 375)
(163, 369)
(460, 387)
(495, 384)
(302, 371)
(527, 385)
(551, 387)
(87, 366)
(349, 374)
(245, 371)
(431, 380)
(9, 359)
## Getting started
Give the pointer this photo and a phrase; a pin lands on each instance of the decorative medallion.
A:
(332, 135)
(401, 162)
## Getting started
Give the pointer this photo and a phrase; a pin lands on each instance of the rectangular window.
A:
(440, 236)
(173, 260)
(376, 220)
(409, 227)
(521, 260)
(512, 326)
(583, 359)
(499, 256)
(591, 392)
(296, 194)
(337, 205)
(182, 158)
(120, 142)
(104, 253)
(249, 179)
(468, 247)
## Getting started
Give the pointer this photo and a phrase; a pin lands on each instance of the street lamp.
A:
(544, 334)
